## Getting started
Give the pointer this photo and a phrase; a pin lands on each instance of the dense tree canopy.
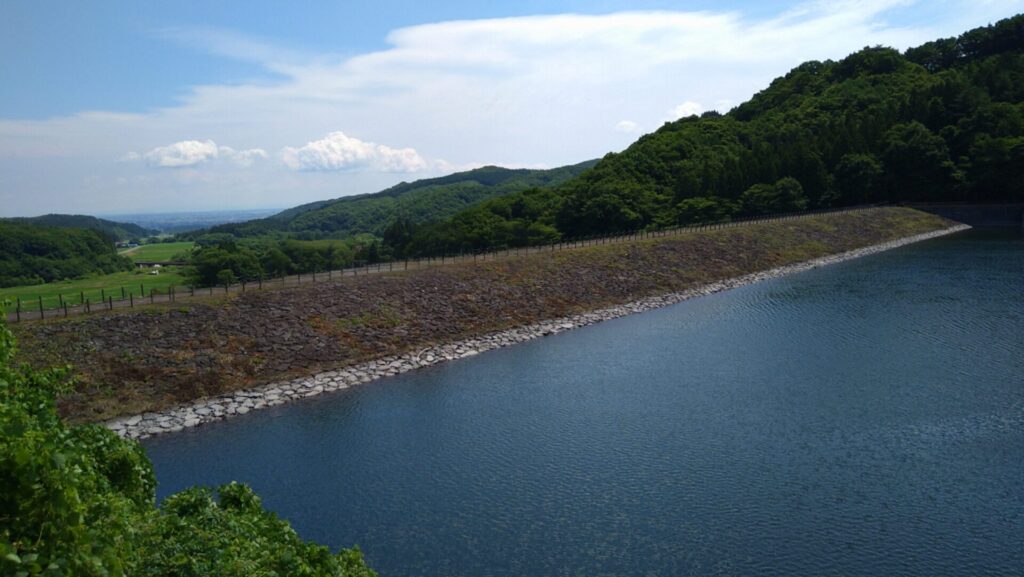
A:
(221, 260)
(109, 228)
(33, 254)
(421, 201)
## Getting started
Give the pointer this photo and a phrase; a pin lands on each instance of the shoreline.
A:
(241, 402)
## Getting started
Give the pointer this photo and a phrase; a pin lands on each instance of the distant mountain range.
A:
(175, 222)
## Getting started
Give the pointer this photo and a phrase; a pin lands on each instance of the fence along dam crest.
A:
(126, 298)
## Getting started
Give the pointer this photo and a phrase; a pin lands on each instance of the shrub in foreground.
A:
(80, 501)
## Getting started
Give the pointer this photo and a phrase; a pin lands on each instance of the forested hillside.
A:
(33, 254)
(115, 230)
(425, 200)
(940, 122)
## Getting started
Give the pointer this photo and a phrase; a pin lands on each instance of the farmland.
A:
(158, 252)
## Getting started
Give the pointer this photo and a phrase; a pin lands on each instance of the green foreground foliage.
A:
(80, 501)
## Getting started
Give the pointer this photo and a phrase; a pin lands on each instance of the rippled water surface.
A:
(861, 419)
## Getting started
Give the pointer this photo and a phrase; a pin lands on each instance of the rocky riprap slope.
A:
(146, 360)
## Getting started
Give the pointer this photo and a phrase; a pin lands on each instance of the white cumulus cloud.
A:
(338, 151)
(184, 153)
(195, 152)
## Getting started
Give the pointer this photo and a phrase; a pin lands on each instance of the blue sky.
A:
(145, 106)
(65, 57)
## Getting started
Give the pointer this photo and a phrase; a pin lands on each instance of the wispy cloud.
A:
(627, 126)
(236, 46)
(513, 91)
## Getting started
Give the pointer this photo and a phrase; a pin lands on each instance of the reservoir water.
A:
(865, 418)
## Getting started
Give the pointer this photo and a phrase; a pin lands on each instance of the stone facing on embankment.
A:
(242, 402)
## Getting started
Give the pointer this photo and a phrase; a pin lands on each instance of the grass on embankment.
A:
(93, 288)
(150, 359)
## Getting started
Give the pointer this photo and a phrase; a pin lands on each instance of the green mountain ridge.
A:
(35, 253)
(115, 230)
(419, 201)
(940, 122)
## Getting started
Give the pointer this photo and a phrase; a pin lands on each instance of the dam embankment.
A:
(164, 358)
(208, 410)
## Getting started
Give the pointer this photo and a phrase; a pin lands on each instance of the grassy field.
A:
(93, 288)
(158, 252)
